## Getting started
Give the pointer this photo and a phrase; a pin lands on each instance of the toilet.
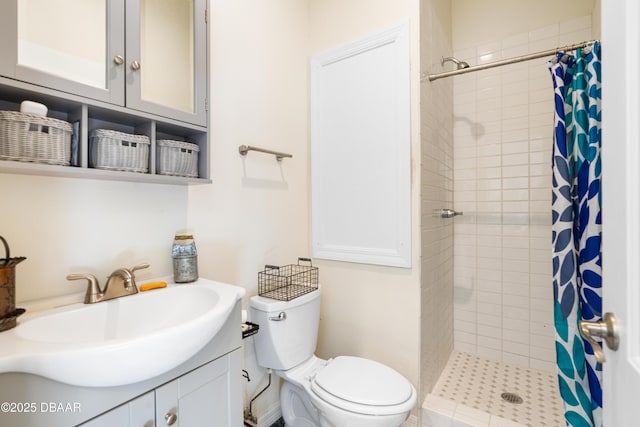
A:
(344, 391)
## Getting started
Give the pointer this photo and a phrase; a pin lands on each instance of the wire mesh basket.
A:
(288, 281)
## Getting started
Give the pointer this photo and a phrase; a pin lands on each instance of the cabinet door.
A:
(167, 58)
(201, 398)
(136, 413)
(65, 45)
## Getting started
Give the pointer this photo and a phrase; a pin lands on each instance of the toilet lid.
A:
(362, 381)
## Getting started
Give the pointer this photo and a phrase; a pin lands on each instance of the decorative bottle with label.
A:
(185, 259)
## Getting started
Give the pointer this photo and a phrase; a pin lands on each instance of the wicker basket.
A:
(33, 138)
(177, 158)
(113, 150)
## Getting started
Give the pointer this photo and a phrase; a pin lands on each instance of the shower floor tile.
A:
(473, 386)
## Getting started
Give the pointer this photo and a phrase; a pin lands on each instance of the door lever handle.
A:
(607, 330)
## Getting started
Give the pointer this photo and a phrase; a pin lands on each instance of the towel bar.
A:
(244, 149)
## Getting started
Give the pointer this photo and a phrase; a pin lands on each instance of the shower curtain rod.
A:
(513, 60)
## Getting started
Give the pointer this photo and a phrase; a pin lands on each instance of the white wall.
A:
(256, 212)
(372, 311)
(503, 127)
(596, 20)
(67, 226)
(478, 22)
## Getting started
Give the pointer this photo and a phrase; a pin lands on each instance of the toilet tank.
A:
(283, 344)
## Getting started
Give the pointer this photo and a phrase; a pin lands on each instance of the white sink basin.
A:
(120, 341)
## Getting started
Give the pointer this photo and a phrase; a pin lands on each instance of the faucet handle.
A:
(139, 267)
(93, 293)
(132, 283)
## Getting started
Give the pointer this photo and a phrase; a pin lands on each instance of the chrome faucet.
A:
(120, 283)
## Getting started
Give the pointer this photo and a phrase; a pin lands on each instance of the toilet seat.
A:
(363, 386)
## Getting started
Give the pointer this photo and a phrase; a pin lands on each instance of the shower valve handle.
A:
(446, 213)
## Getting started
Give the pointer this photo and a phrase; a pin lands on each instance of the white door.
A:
(621, 207)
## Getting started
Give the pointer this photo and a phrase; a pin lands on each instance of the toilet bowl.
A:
(345, 391)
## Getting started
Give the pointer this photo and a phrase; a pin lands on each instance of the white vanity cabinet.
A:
(204, 391)
(140, 412)
(146, 55)
(199, 398)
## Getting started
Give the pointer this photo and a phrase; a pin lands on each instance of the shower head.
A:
(459, 64)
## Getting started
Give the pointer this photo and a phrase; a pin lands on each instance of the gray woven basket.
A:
(113, 150)
(33, 138)
(177, 158)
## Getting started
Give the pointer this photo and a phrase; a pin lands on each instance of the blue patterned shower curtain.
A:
(576, 201)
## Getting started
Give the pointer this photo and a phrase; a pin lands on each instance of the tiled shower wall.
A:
(436, 147)
(502, 129)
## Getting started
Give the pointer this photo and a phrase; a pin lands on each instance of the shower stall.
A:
(486, 151)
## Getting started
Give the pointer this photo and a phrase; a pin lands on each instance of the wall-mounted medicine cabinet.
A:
(133, 66)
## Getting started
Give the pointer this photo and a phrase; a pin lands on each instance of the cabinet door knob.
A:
(135, 65)
(118, 59)
(170, 418)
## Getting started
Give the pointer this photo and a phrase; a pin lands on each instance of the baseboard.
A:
(412, 421)
(272, 415)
